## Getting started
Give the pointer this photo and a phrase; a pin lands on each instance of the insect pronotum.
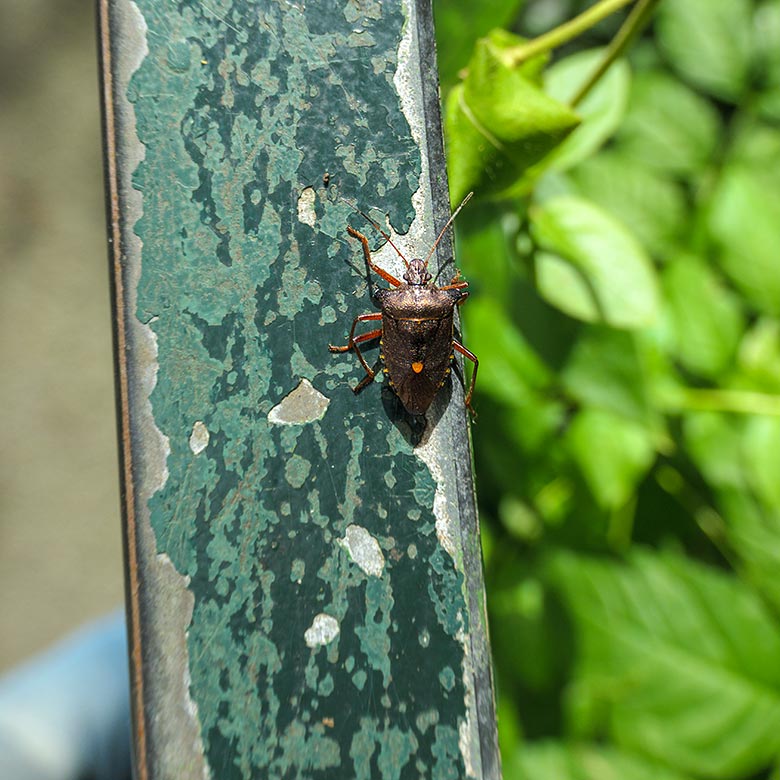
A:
(417, 338)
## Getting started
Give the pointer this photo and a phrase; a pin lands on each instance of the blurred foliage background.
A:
(625, 275)
(60, 536)
(623, 257)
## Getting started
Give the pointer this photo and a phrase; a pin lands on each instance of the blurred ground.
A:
(60, 538)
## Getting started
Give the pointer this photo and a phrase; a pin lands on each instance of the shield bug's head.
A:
(417, 274)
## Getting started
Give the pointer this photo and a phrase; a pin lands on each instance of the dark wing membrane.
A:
(427, 343)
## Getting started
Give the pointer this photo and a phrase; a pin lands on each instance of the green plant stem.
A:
(713, 400)
(634, 24)
(564, 32)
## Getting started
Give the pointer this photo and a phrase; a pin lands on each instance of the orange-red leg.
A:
(370, 373)
(389, 278)
(353, 342)
(455, 283)
(473, 358)
(456, 286)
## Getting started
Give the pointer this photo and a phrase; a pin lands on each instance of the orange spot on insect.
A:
(417, 367)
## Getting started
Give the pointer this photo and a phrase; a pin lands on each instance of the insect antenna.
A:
(376, 227)
(443, 230)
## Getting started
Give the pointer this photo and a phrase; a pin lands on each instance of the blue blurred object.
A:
(65, 714)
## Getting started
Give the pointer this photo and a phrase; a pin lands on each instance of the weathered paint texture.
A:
(315, 650)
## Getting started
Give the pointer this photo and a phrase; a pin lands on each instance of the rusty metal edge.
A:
(110, 134)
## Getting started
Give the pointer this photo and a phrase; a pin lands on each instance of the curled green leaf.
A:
(499, 121)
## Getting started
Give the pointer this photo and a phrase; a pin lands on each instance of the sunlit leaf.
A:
(754, 535)
(592, 267)
(509, 368)
(755, 146)
(713, 441)
(759, 356)
(559, 761)
(651, 205)
(601, 111)
(668, 126)
(740, 459)
(613, 454)
(744, 221)
(606, 371)
(678, 662)
(706, 318)
(761, 453)
(709, 43)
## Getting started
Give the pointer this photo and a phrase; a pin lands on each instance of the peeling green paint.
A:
(297, 470)
(297, 570)
(301, 663)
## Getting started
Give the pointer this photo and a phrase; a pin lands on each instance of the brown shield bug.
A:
(417, 338)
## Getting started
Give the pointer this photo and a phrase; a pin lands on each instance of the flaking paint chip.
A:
(199, 438)
(364, 550)
(323, 630)
(306, 213)
(303, 405)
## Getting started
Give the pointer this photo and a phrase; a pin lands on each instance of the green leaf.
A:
(754, 535)
(743, 221)
(592, 267)
(759, 356)
(528, 629)
(510, 370)
(649, 205)
(676, 661)
(499, 121)
(606, 371)
(511, 734)
(761, 455)
(668, 126)
(613, 454)
(555, 761)
(601, 111)
(483, 252)
(740, 454)
(713, 441)
(766, 25)
(767, 40)
(519, 519)
(459, 23)
(709, 43)
(705, 316)
(767, 104)
(756, 147)
(740, 459)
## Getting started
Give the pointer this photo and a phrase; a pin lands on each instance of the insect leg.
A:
(473, 358)
(353, 342)
(370, 373)
(361, 318)
(389, 278)
(455, 282)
